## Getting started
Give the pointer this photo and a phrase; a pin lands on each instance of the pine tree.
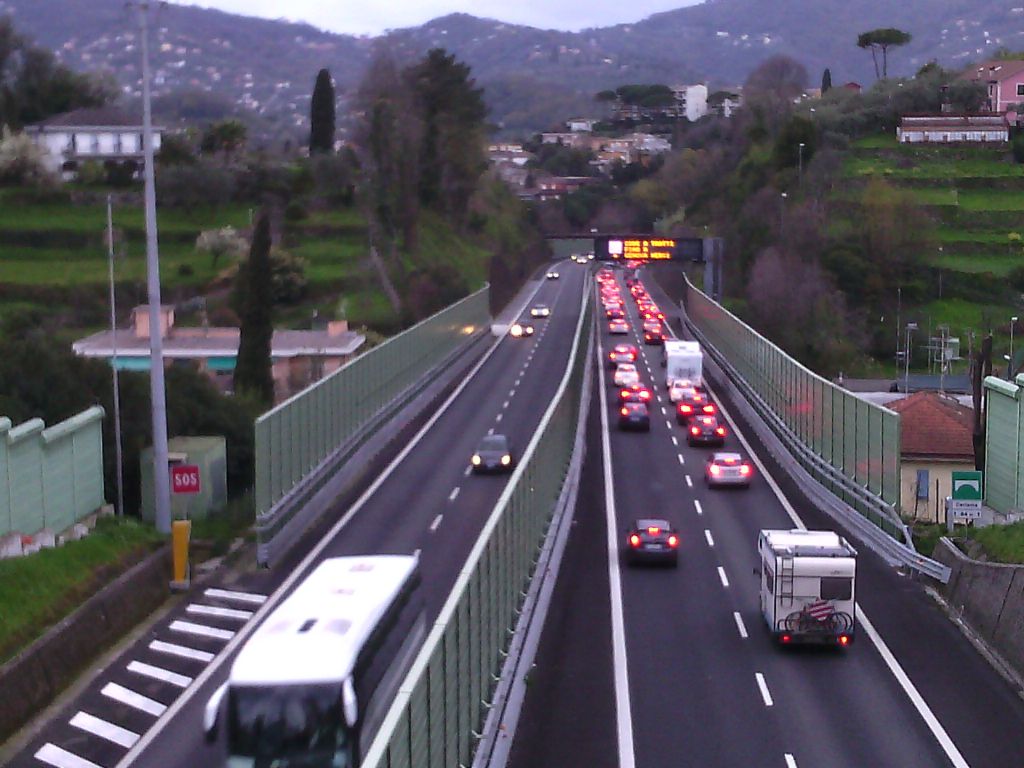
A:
(253, 367)
(826, 81)
(322, 115)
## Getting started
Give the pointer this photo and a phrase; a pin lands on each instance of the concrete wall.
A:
(990, 597)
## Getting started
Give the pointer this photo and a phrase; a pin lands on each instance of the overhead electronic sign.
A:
(647, 249)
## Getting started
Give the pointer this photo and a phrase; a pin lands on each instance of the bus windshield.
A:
(289, 726)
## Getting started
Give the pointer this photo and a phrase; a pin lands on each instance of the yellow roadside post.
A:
(181, 531)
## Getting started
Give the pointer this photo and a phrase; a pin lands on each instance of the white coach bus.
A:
(807, 586)
(314, 682)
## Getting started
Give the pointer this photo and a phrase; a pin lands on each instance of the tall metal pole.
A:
(800, 164)
(161, 479)
(906, 353)
(113, 362)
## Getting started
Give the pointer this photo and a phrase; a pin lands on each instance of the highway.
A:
(429, 503)
(689, 676)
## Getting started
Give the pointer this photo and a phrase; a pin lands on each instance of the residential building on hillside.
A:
(935, 440)
(724, 103)
(691, 101)
(299, 357)
(1003, 80)
(104, 135)
(580, 124)
(946, 128)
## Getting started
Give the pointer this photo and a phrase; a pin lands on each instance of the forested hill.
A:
(532, 76)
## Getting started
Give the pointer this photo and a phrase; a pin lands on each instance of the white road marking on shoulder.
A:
(53, 755)
(739, 624)
(498, 417)
(180, 650)
(790, 761)
(682, 461)
(675, 441)
(723, 577)
(159, 673)
(201, 630)
(133, 699)
(467, 470)
(241, 597)
(765, 693)
(98, 727)
(689, 482)
(505, 404)
(222, 613)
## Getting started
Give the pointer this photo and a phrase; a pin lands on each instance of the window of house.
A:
(922, 483)
(1020, 89)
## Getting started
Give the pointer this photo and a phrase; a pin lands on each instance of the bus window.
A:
(836, 587)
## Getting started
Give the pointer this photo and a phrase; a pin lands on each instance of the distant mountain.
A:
(533, 77)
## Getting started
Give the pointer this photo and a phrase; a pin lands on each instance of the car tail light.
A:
(645, 395)
(673, 541)
(785, 638)
(745, 469)
(709, 409)
(685, 410)
(634, 540)
(632, 356)
(653, 530)
(611, 355)
(720, 431)
(844, 639)
(715, 469)
(694, 430)
(624, 411)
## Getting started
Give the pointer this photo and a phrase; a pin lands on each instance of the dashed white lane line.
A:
(675, 441)
(97, 727)
(698, 507)
(490, 431)
(198, 609)
(682, 461)
(517, 382)
(159, 673)
(436, 523)
(241, 597)
(765, 693)
(740, 625)
(467, 470)
(723, 577)
(498, 417)
(53, 755)
(201, 630)
(505, 404)
(182, 651)
(689, 482)
(511, 393)
(134, 700)
(709, 537)
(790, 761)
(668, 424)
(454, 494)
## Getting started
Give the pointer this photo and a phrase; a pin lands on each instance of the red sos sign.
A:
(185, 478)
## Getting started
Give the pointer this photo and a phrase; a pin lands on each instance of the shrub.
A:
(1018, 147)
(185, 270)
(295, 211)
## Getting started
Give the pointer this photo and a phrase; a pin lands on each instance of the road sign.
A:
(185, 478)
(965, 509)
(967, 486)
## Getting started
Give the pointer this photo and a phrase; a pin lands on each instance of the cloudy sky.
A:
(375, 16)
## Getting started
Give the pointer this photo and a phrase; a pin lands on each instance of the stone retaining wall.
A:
(990, 598)
(37, 675)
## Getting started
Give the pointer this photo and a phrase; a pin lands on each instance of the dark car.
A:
(493, 454)
(653, 337)
(634, 416)
(705, 430)
(652, 541)
(690, 404)
(613, 313)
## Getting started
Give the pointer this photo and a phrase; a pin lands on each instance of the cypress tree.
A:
(826, 81)
(253, 367)
(321, 115)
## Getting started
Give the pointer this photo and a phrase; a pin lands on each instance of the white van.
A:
(682, 360)
(808, 583)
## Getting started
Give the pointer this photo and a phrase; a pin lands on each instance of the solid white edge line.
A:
(709, 537)
(698, 507)
(723, 577)
(53, 755)
(940, 734)
(740, 625)
(790, 761)
(623, 713)
(765, 693)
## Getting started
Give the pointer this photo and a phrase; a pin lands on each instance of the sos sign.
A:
(185, 478)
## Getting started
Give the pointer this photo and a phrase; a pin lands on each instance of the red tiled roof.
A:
(934, 426)
(995, 70)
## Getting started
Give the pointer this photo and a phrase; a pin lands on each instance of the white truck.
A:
(807, 586)
(682, 360)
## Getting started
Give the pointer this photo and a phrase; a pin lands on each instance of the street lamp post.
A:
(113, 366)
(906, 358)
(1009, 367)
(782, 211)
(800, 163)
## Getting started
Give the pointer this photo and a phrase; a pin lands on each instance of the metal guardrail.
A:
(871, 516)
(435, 719)
(302, 441)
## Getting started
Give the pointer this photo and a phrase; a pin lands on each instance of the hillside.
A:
(268, 67)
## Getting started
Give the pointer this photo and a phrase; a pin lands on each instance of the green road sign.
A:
(967, 486)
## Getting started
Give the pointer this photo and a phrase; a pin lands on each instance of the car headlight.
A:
(506, 460)
(516, 330)
(476, 460)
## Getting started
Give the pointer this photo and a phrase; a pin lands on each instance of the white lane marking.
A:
(689, 482)
(454, 494)
(675, 441)
(765, 693)
(133, 699)
(241, 597)
(498, 417)
(698, 507)
(790, 761)
(222, 613)
(682, 461)
(505, 404)
(53, 755)
(623, 715)
(659, 397)
(437, 521)
(940, 734)
(740, 625)
(467, 470)
(723, 577)
(707, 535)
(180, 650)
(97, 727)
(159, 673)
(668, 424)
(512, 393)
(201, 630)
(517, 381)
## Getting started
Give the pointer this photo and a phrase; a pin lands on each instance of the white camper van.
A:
(682, 360)
(807, 586)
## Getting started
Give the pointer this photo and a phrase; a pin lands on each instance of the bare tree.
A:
(777, 78)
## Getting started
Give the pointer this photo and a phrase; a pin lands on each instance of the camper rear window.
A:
(836, 588)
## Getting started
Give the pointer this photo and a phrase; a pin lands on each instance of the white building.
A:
(103, 135)
(953, 129)
(691, 101)
(580, 124)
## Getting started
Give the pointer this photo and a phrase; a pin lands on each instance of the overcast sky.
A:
(373, 17)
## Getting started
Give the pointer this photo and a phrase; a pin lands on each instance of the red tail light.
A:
(694, 430)
(720, 431)
(624, 411)
(632, 356)
(686, 410)
(745, 469)
(785, 638)
(844, 640)
(611, 355)
(709, 408)
(715, 469)
(634, 540)
(645, 395)
(673, 541)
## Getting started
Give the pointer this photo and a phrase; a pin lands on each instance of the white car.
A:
(540, 310)
(678, 389)
(626, 375)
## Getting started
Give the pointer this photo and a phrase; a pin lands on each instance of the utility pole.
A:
(906, 356)
(161, 478)
(800, 164)
(113, 361)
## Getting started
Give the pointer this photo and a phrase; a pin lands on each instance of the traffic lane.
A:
(982, 713)
(568, 716)
(181, 743)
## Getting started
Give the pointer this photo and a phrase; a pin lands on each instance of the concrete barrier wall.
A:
(990, 598)
(34, 678)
